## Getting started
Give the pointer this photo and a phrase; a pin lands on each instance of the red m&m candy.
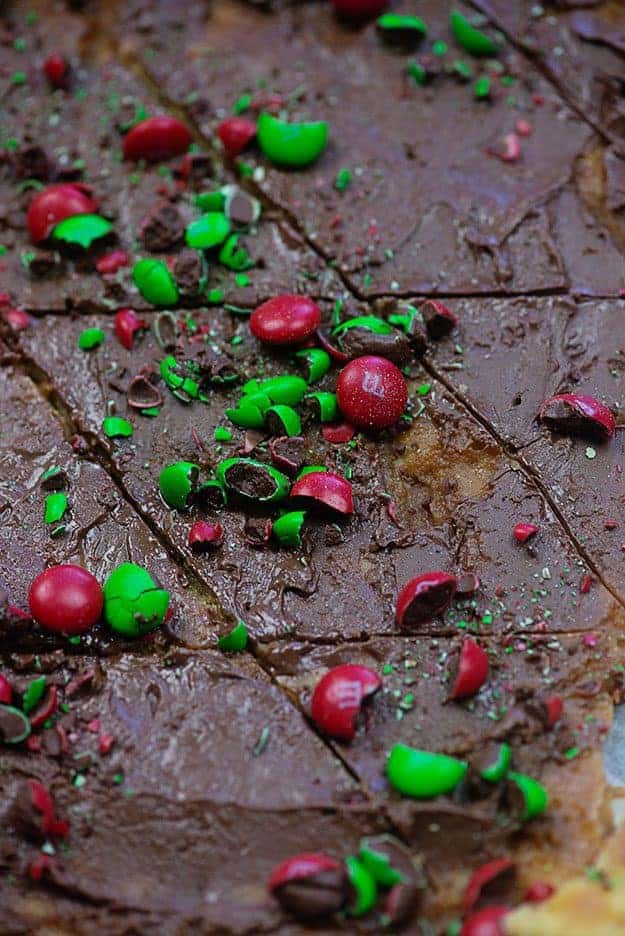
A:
(371, 392)
(66, 599)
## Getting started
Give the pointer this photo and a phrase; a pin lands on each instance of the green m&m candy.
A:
(281, 420)
(288, 389)
(495, 763)
(469, 38)
(133, 602)
(90, 338)
(56, 505)
(321, 406)
(155, 283)
(423, 774)
(364, 885)
(291, 144)
(115, 427)
(235, 641)
(177, 483)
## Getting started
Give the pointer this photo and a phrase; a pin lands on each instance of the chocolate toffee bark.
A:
(450, 501)
(546, 703)
(144, 208)
(399, 210)
(88, 523)
(581, 46)
(177, 757)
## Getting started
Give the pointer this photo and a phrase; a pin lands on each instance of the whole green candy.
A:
(155, 283)
(207, 231)
(364, 885)
(422, 774)
(291, 144)
(177, 483)
(133, 603)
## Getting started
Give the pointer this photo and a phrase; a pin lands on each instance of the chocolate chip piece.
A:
(242, 209)
(42, 261)
(357, 342)
(189, 272)
(32, 162)
(402, 902)
(319, 895)
(257, 531)
(162, 229)
(288, 453)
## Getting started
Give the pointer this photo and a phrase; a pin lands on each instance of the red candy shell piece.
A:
(53, 204)
(236, 133)
(126, 323)
(485, 922)
(112, 262)
(424, 597)
(66, 599)
(574, 411)
(6, 693)
(371, 392)
(472, 672)
(538, 892)
(481, 877)
(338, 697)
(156, 138)
(285, 320)
(301, 866)
(56, 70)
(327, 488)
(524, 531)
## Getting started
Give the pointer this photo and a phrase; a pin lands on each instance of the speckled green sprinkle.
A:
(222, 434)
(591, 452)
(343, 180)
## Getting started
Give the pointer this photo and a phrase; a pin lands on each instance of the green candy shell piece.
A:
(246, 415)
(371, 322)
(287, 529)
(364, 885)
(324, 404)
(233, 256)
(256, 398)
(90, 338)
(15, 725)
(34, 692)
(499, 768)
(282, 420)
(209, 230)
(378, 865)
(390, 22)
(469, 38)
(422, 774)
(288, 389)
(56, 505)
(155, 283)
(310, 469)
(281, 484)
(235, 641)
(316, 362)
(291, 144)
(177, 482)
(211, 201)
(82, 229)
(115, 427)
(535, 796)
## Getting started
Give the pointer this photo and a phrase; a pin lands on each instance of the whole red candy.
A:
(338, 697)
(472, 670)
(126, 323)
(236, 133)
(359, 9)
(424, 597)
(285, 320)
(371, 392)
(485, 922)
(56, 70)
(326, 489)
(54, 203)
(66, 599)
(156, 138)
